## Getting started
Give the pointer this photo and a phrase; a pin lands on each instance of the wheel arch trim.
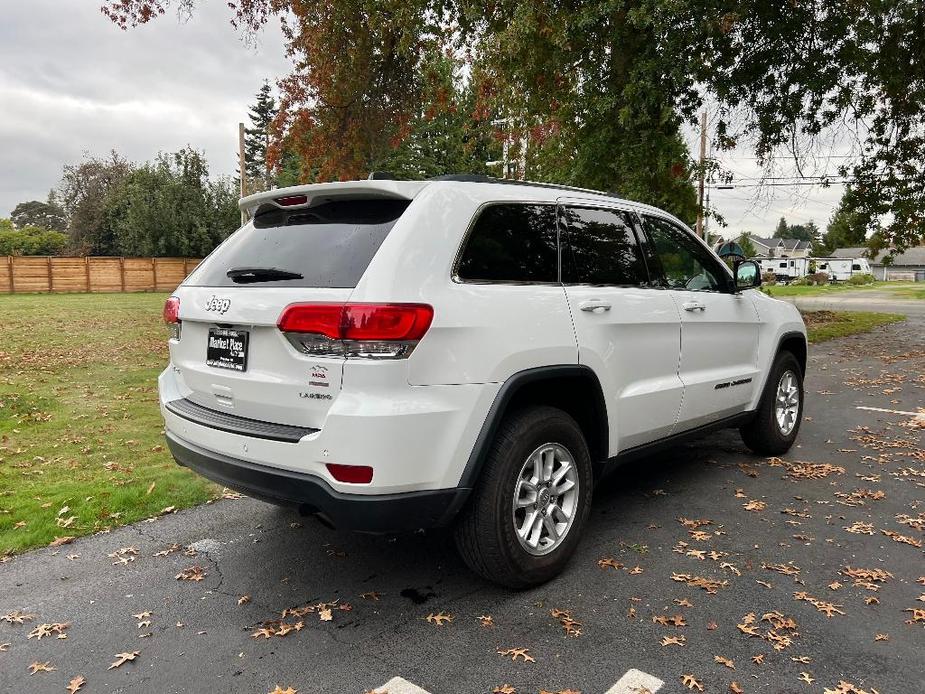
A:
(784, 337)
(505, 397)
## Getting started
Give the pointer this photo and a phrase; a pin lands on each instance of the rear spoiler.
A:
(296, 197)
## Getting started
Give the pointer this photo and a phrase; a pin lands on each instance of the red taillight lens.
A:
(321, 319)
(291, 200)
(386, 321)
(352, 474)
(172, 310)
(367, 322)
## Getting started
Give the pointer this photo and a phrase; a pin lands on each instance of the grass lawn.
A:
(902, 290)
(81, 442)
(826, 325)
(910, 292)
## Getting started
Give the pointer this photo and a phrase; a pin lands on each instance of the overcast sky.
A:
(72, 82)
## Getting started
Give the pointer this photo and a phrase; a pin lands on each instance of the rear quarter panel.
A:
(481, 333)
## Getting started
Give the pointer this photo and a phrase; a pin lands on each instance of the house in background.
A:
(908, 266)
(781, 248)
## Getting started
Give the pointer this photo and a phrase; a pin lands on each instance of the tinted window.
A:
(601, 248)
(685, 263)
(330, 245)
(512, 243)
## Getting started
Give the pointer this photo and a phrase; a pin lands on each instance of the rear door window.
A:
(512, 243)
(600, 248)
(328, 245)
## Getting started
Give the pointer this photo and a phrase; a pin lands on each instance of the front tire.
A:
(780, 412)
(523, 521)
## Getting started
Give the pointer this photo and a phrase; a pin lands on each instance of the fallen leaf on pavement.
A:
(122, 658)
(17, 617)
(43, 630)
(515, 653)
(691, 682)
(504, 689)
(724, 661)
(75, 684)
(192, 573)
(41, 667)
(440, 618)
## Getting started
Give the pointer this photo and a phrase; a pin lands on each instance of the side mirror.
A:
(747, 274)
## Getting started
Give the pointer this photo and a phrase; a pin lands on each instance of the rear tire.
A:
(777, 421)
(503, 533)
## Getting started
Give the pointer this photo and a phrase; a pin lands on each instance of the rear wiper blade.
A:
(247, 275)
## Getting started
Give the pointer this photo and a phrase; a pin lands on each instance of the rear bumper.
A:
(376, 513)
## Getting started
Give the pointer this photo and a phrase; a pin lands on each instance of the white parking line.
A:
(633, 682)
(636, 682)
(880, 409)
(399, 685)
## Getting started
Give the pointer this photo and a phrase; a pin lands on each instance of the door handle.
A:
(693, 306)
(594, 306)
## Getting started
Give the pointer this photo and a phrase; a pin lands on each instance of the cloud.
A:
(71, 82)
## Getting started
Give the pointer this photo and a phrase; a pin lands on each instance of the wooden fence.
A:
(29, 273)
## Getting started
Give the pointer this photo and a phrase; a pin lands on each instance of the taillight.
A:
(172, 316)
(364, 331)
(352, 474)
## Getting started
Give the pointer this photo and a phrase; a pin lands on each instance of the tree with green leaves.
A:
(748, 248)
(846, 229)
(169, 207)
(84, 191)
(602, 87)
(782, 230)
(803, 232)
(48, 215)
(257, 141)
(29, 239)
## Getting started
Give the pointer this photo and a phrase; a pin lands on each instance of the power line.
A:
(733, 186)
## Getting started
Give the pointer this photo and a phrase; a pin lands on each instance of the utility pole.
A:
(700, 186)
(241, 168)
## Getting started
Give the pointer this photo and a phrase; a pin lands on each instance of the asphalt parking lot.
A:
(704, 566)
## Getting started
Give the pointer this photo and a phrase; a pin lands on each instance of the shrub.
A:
(818, 278)
(769, 278)
(31, 240)
(800, 282)
(866, 278)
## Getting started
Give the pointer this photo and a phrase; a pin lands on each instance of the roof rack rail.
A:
(481, 178)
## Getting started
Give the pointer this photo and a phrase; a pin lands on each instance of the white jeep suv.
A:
(394, 355)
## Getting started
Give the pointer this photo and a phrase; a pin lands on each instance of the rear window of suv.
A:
(329, 245)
